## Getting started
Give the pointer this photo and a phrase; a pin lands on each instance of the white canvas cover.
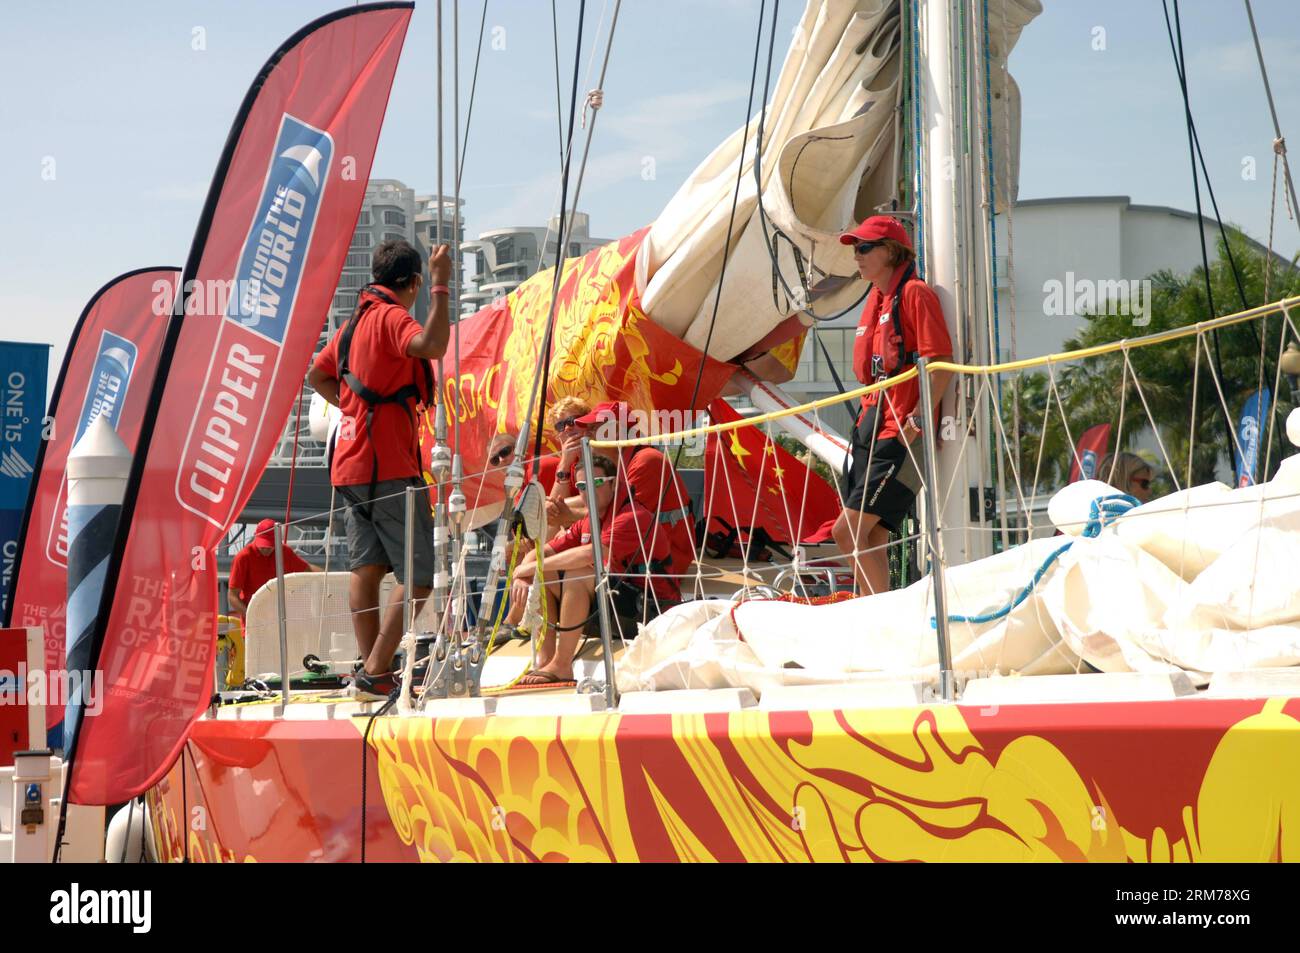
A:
(1202, 581)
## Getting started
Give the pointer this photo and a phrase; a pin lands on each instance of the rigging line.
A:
(559, 108)
(562, 238)
(769, 242)
(735, 194)
(454, 245)
(600, 84)
(473, 87)
(1268, 92)
(293, 463)
(1179, 66)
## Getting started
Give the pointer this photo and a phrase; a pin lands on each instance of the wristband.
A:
(439, 290)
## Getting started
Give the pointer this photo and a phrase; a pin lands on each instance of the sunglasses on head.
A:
(566, 423)
(497, 458)
(581, 485)
(862, 248)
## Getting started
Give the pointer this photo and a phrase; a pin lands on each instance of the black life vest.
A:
(406, 396)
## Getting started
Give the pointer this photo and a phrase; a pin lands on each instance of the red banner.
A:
(107, 370)
(605, 348)
(13, 696)
(1089, 453)
(258, 284)
(752, 482)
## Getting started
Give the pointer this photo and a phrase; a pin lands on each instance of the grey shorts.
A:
(377, 531)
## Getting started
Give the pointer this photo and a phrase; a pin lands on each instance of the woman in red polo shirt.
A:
(901, 320)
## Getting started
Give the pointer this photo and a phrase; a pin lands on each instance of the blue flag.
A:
(24, 370)
(1253, 415)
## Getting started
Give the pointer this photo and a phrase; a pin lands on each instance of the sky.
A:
(113, 115)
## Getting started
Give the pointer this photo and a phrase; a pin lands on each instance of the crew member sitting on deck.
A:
(376, 369)
(653, 483)
(254, 566)
(564, 507)
(901, 321)
(569, 573)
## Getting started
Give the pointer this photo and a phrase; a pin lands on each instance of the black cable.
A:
(562, 236)
(1214, 203)
(1179, 65)
(185, 810)
(469, 115)
(365, 761)
(735, 199)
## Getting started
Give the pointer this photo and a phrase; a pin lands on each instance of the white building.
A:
(506, 257)
(1101, 239)
(389, 210)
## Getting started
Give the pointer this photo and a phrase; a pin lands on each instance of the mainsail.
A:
(277, 223)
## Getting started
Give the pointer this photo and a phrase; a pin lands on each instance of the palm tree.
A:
(1168, 389)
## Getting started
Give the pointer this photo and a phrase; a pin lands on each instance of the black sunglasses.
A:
(1144, 482)
(566, 423)
(500, 455)
(863, 248)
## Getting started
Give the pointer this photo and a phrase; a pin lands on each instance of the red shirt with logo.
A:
(378, 358)
(924, 332)
(657, 487)
(251, 570)
(623, 545)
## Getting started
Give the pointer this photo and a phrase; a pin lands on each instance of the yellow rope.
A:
(1160, 337)
(501, 609)
(533, 637)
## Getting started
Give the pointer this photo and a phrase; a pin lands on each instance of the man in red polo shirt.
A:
(376, 369)
(254, 566)
(902, 319)
(569, 565)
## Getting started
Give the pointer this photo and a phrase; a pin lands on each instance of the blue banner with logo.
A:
(1249, 431)
(23, 377)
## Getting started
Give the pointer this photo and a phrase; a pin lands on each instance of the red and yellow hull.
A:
(1186, 780)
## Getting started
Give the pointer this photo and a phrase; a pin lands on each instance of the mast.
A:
(948, 237)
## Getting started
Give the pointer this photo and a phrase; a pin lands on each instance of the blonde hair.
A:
(567, 406)
(1125, 466)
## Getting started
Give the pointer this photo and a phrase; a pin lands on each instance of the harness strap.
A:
(371, 398)
(672, 517)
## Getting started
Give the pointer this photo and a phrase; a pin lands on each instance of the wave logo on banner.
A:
(1248, 436)
(1088, 465)
(232, 409)
(105, 394)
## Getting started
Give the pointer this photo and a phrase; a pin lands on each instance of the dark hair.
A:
(899, 254)
(604, 464)
(395, 264)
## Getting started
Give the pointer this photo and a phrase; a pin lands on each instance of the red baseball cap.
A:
(598, 413)
(265, 533)
(875, 228)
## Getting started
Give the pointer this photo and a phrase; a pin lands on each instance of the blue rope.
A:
(1103, 511)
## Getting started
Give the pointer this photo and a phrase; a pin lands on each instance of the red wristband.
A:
(439, 290)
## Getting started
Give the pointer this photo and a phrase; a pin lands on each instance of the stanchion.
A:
(280, 610)
(602, 579)
(934, 537)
